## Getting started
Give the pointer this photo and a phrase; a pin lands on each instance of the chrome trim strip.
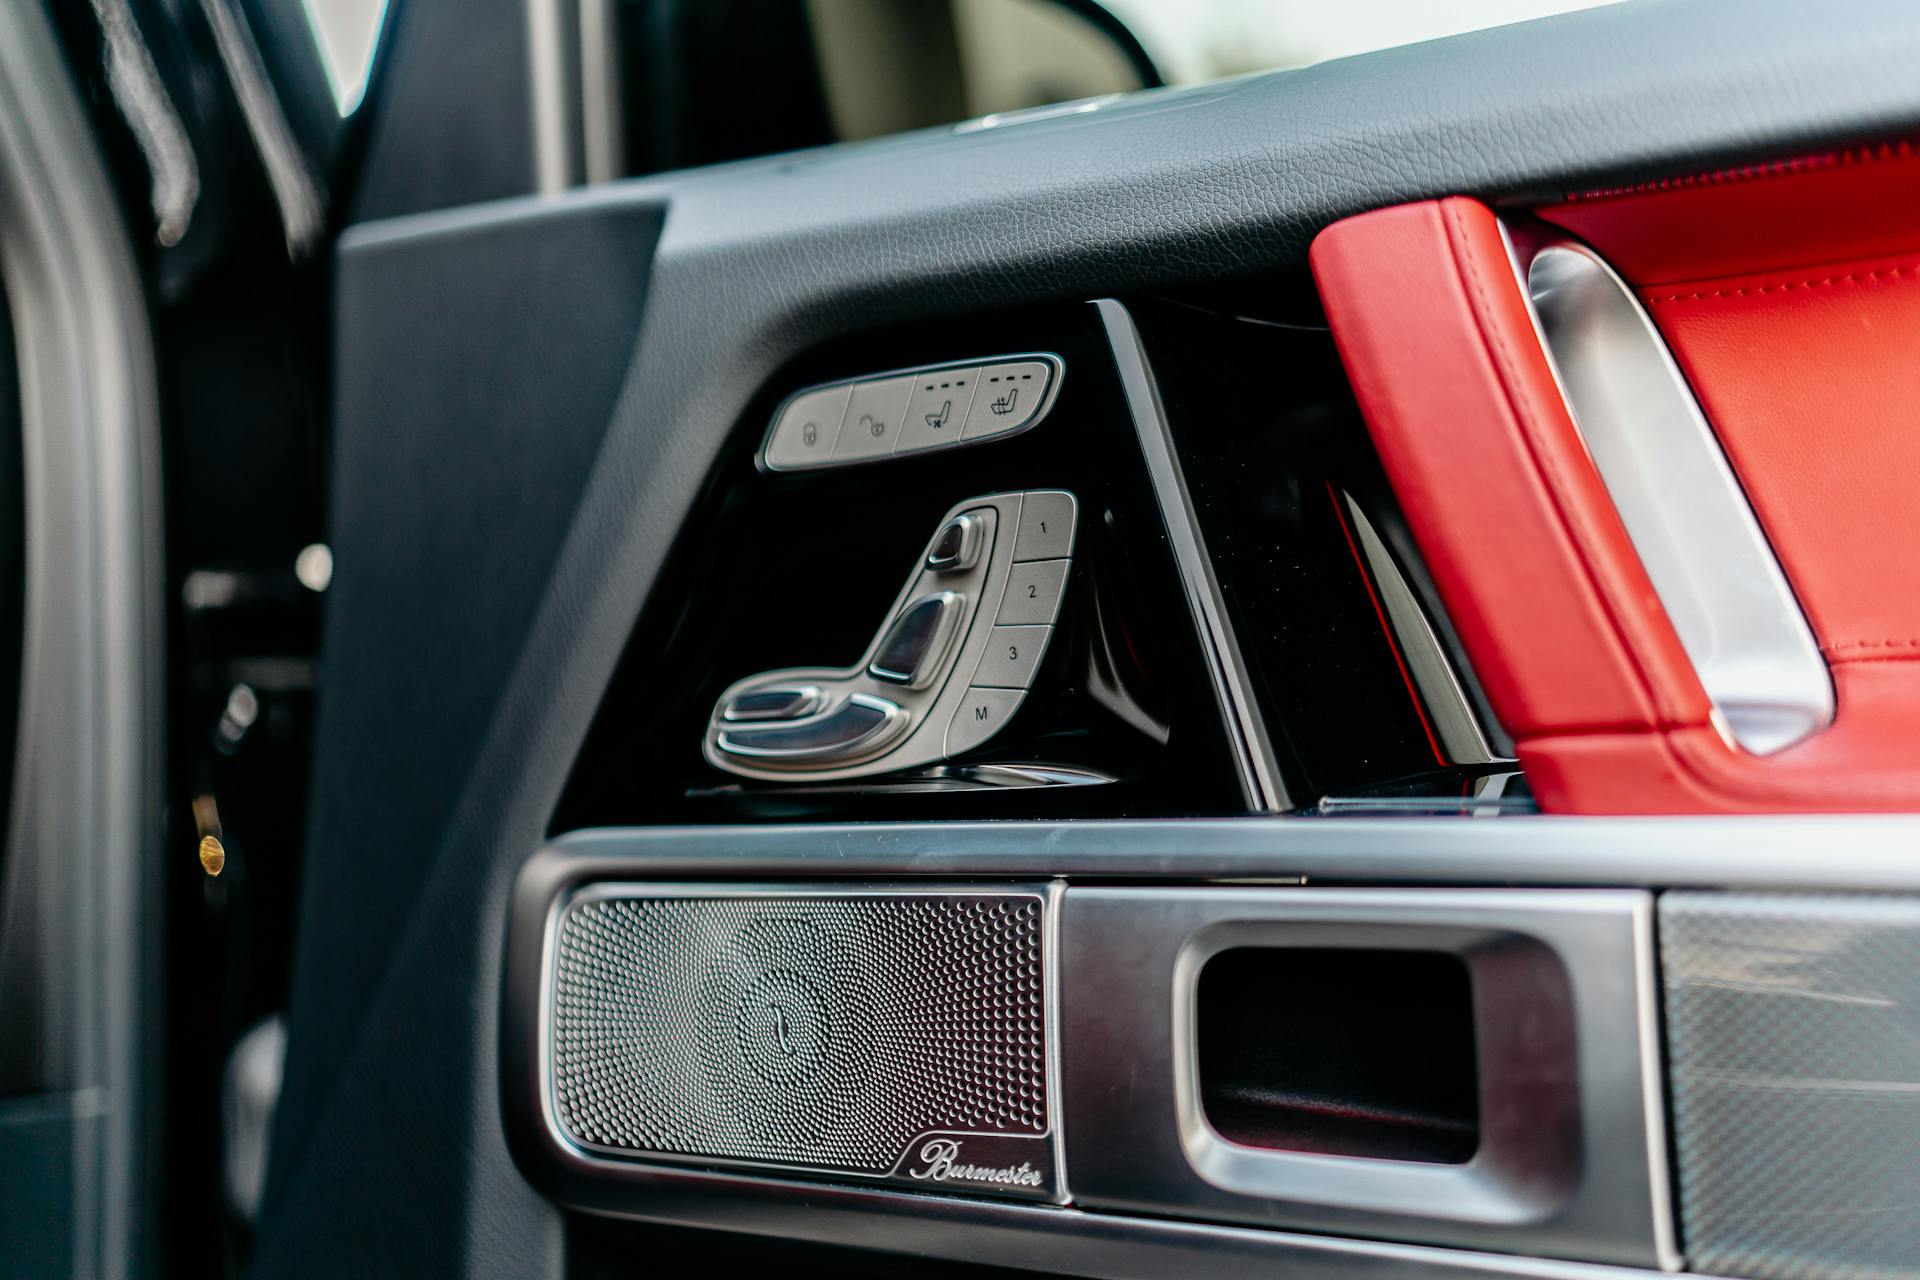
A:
(1799, 851)
(1453, 715)
(553, 170)
(1685, 512)
(602, 110)
(1653, 1084)
(1050, 959)
(1259, 772)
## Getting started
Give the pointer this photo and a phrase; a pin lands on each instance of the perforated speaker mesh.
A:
(1794, 1037)
(826, 1031)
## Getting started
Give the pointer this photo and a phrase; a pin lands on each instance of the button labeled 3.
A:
(1012, 654)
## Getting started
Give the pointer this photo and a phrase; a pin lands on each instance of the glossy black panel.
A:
(1271, 443)
(799, 569)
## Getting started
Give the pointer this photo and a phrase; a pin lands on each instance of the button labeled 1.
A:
(981, 716)
(1046, 525)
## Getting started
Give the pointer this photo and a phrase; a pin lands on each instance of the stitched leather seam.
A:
(1839, 645)
(1753, 172)
(1558, 486)
(1907, 274)
(1877, 657)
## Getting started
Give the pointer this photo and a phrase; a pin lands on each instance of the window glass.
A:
(1197, 40)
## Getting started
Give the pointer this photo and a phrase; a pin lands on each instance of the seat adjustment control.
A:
(957, 547)
(917, 641)
(776, 702)
(859, 724)
(961, 646)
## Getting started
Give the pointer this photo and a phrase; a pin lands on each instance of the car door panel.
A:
(541, 411)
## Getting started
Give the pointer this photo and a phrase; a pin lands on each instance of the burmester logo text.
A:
(940, 1162)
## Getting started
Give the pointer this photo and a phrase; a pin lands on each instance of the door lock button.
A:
(808, 428)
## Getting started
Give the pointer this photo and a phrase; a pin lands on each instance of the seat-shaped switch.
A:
(914, 650)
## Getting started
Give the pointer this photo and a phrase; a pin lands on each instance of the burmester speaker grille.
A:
(833, 1032)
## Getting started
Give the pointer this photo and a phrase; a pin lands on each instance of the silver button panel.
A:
(911, 411)
(945, 672)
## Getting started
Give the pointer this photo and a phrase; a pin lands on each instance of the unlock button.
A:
(873, 419)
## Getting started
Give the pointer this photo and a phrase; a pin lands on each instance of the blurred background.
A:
(664, 79)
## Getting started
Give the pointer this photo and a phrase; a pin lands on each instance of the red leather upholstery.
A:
(1811, 378)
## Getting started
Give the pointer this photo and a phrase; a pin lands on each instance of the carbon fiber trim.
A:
(1794, 1032)
(868, 1035)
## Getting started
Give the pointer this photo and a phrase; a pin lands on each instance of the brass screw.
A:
(213, 855)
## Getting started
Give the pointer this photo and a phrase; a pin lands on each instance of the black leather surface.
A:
(479, 350)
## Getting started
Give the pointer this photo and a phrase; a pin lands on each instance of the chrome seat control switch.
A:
(776, 702)
(957, 548)
(912, 650)
(859, 724)
(945, 673)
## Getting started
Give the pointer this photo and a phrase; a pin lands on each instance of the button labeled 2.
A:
(1033, 592)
